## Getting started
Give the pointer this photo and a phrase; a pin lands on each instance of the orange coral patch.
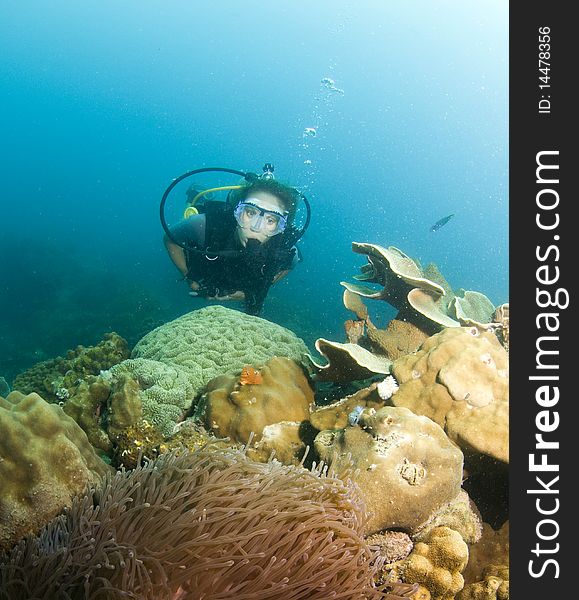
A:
(250, 376)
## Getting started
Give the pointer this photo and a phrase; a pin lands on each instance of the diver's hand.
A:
(194, 287)
(239, 295)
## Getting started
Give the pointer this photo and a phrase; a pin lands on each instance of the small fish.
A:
(250, 376)
(441, 223)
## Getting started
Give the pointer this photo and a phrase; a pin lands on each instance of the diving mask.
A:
(269, 222)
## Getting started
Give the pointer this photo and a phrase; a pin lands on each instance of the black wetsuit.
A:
(221, 265)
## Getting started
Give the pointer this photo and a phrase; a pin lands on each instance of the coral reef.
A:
(501, 317)
(393, 546)
(461, 515)
(57, 379)
(232, 409)
(425, 303)
(135, 389)
(216, 340)
(166, 393)
(45, 460)
(354, 330)
(421, 296)
(395, 271)
(398, 339)
(472, 308)
(404, 286)
(347, 362)
(406, 467)
(87, 406)
(460, 379)
(493, 586)
(206, 524)
(437, 564)
(142, 441)
(336, 415)
(491, 549)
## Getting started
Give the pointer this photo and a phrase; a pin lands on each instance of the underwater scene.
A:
(254, 300)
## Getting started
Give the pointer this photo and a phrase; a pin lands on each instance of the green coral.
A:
(166, 392)
(216, 340)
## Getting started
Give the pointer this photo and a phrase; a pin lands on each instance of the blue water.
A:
(104, 103)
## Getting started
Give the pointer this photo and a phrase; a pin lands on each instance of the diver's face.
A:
(246, 230)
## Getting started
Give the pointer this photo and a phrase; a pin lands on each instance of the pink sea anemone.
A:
(204, 525)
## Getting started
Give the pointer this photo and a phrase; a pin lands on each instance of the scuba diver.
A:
(237, 248)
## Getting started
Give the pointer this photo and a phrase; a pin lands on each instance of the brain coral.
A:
(216, 340)
(407, 468)
(45, 460)
(166, 391)
(459, 378)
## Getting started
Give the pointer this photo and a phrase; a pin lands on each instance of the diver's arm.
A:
(192, 231)
(177, 255)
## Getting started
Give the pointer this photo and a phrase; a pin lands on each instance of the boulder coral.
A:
(235, 410)
(437, 564)
(216, 340)
(459, 378)
(406, 467)
(45, 460)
